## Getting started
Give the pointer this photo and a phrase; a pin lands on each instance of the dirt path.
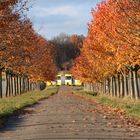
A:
(64, 117)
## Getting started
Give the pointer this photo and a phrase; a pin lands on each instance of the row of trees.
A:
(25, 56)
(110, 57)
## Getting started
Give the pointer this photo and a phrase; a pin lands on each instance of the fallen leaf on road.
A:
(105, 117)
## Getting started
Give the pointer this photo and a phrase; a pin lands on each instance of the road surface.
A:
(66, 117)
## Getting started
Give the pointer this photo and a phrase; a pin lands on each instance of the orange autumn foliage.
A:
(113, 42)
(22, 50)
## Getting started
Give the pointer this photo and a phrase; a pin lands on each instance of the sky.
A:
(52, 17)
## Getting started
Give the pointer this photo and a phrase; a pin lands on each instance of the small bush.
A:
(42, 85)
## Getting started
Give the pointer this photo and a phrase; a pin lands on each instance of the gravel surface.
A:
(65, 117)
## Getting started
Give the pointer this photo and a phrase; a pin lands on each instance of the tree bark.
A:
(112, 86)
(28, 84)
(125, 86)
(7, 84)
(84, 86)
(131, 85)
(136, 90)
(118, 85)
(108, 82)
(23, 85)
(104, 86)
(121, 85)
(20, 85)
(1, 84)
(15, 85)
(11, 80)
(115, 86)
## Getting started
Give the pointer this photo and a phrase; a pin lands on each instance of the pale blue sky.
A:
(51, 17)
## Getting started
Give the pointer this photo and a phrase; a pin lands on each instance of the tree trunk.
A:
(104, 86)
(23, 85)
(28, 84)
(108, 82)
(136, 90)
(7, 84)
(112, 86)
(122, 85)
(35, 85)
(131, 85)
(84, 86)
(115, 86)
(1, 84)
(11, 79)
(32, 86)
(15, 85)
(93, 87)
(88, 86)
(20, 85)
(125, 86)
(118, 85)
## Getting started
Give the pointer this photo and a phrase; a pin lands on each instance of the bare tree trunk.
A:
(88, 86)
(1, 84)
(28, 84)
(105, 91)
(118, 85)
(115, 86)
(23, 85)
(15, 85)
(7, 84)
(108, 82)
(125, 86)
(122, 85)
(20, 85)
(99, 87)
(35, 85)
(131, 83)
(84, 86)
(112, 86)
(31, 86)
(11, 80)
(136, 90)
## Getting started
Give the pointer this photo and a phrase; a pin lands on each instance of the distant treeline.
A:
(67, 48)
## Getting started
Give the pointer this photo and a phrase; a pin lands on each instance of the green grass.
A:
(132, 107)
(9, 105)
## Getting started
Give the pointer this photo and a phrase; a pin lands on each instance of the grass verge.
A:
(9, 105)
(131, 107)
